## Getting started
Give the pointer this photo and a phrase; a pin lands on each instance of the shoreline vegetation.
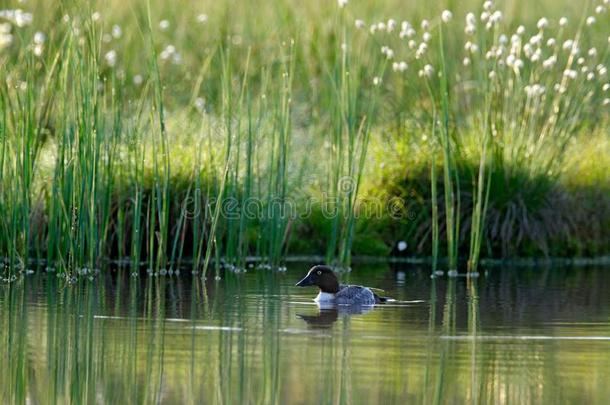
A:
(197, 135)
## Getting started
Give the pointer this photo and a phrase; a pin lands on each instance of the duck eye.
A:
(319, 273)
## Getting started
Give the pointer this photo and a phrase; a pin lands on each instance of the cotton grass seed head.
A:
(39, 38)
(427, 71)
(446, 16)
(570, 73)
(111, 58)
(17, 17)
(399, 66)
(471, 19)
(542, 23)
(117, 32)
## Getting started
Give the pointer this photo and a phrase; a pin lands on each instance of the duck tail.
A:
(381, 300)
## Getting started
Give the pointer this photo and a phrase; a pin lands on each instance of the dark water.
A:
(511, 336)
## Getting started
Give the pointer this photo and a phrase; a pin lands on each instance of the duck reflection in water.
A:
(328, 314)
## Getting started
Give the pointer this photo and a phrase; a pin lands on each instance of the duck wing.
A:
(355, 294)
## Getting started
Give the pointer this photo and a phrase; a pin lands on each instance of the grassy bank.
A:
(161, 134)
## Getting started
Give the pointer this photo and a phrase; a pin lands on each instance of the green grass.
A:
(143, 131)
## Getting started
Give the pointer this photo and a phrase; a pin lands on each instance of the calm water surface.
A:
(510, 336)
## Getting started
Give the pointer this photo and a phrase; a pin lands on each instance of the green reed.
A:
(103, 147)
(96, 165)
(353, 111)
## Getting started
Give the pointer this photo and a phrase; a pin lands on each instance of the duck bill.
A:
(305, 282)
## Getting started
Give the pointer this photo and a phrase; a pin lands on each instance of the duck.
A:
(331, 292)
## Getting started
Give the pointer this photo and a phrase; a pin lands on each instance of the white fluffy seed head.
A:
(570, 73)
(518, 65)
(39, 38)
(117, 32)
(536, 90)
(111, 58)
(427, 71)
(590, 20)
(563, 21)
(496, 17)
(471, 19)
(446, 16)
(535, 56)
(399, 66)
(542, 23)
(536, 39)
(550, 62)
